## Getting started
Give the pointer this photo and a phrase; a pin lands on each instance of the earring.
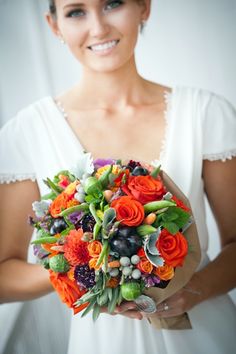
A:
(62, 40)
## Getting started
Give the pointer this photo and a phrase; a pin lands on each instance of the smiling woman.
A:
(113, 112)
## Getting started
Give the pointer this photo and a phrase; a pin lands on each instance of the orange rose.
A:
(63, 201)
(93, 263)
(94, 248)
(166, 272)
(173, 248)
(145, 266)
(129, 210)
(68, 290)
(144, 188)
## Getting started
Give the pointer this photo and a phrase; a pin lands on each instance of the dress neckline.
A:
(168, 97)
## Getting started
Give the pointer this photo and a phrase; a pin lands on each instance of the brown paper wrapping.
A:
(182, 274)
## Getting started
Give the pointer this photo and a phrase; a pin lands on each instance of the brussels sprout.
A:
(59, 264)
(130, 291)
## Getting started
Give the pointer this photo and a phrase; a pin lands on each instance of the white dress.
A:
(200, 125)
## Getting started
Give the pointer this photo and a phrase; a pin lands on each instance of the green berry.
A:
(130, 291)
(59, 264)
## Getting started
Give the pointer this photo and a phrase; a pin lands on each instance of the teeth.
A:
(105, 46)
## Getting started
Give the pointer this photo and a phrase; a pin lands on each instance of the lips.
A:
(101, 47)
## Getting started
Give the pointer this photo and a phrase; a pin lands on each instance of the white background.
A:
(187, 42)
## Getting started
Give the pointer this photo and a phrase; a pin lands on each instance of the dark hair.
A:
(52, 7)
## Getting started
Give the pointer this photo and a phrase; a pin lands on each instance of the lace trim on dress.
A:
(9, 178)
(223, 156)
(168, 102)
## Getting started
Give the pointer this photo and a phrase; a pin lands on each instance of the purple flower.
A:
(40, 252)
(103, 162)
(75, 217)
(150, 280)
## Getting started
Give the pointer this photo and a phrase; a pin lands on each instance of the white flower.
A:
(41, 208)
(83, 166)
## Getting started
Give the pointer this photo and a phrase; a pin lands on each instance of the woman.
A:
(114, 112)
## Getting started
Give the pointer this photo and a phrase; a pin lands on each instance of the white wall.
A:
(189, 42)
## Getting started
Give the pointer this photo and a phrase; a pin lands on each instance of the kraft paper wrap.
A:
(182, 274)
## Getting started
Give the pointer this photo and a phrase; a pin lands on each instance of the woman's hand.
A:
(182, 301)
(127, 309)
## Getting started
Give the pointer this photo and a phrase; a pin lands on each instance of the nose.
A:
(99, 26)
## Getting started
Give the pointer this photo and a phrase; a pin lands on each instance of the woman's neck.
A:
(112, 90)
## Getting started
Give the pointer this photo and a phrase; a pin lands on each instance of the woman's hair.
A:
(52, 7)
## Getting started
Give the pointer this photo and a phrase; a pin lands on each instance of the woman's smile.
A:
(104, 48)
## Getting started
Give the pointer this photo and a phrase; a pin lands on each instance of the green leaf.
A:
(109, 216)
(157, 205)
(105, 249)
(80, 207)
(109, 294)
(40, 240)
(171, 227)
(96, 312)
(92, 210)
(120, 297)
(169, 216)
(144, 230)
(89, 307)
(102, 298)
(53, 186)
(96, 230)
(112, 304)
(156, 172)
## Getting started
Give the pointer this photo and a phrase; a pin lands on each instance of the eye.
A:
(113, 4)
(76, 13)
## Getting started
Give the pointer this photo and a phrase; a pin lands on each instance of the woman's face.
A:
(101, 34)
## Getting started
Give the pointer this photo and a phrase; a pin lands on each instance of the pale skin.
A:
(111, 110)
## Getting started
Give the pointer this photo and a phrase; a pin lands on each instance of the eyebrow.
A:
(77, 4)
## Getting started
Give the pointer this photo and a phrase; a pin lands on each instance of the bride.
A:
(114, 112)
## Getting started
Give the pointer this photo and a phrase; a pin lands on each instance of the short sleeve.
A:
(15, 159)
(219, 129)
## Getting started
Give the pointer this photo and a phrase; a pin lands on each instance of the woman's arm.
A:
(219, 276)
(19, 280)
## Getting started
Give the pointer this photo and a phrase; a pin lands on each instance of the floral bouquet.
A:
(112, 231)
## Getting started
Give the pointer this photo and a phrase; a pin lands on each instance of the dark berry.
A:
(58, 226)
(140, 171)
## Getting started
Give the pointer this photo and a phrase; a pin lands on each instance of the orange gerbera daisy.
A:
(76, 250)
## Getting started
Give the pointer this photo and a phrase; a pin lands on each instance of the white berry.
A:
(125, 261)
(114, 272)
(135, 259)
(136, 274)
(127, 271)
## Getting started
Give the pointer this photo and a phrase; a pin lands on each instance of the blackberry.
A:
(86, 223)
(85, 276)
(132, 164)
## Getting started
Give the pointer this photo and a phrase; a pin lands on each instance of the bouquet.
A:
(112, 231)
